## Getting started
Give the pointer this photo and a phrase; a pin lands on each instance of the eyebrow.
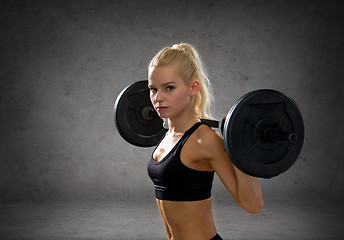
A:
(162, 85)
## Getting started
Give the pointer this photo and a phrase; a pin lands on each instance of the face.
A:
(169, 94)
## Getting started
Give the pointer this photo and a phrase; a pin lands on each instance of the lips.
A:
(161, 108)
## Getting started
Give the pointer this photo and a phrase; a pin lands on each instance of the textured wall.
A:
(64, 62)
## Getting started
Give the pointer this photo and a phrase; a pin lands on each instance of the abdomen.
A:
(188, 220)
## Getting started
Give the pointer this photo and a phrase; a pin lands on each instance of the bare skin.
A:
(203, 151)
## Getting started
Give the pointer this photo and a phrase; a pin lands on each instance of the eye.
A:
(153, 90)
(169, 88)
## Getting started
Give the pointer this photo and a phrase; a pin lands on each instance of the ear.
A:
(194, 87)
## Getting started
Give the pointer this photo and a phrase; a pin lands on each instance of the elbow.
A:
(256, 209)
(253, 208)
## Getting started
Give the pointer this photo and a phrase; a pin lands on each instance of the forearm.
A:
(249, 191)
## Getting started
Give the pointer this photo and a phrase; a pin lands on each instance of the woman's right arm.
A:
(245, 189)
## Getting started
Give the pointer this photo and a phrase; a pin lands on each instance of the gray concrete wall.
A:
(64, 62)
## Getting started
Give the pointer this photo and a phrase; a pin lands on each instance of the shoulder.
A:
(208, 140)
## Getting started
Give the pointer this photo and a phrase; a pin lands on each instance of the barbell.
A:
(263, 132)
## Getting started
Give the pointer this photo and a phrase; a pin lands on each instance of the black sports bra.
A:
(176, 182)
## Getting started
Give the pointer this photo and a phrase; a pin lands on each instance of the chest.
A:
(165, 147)
(188, 153)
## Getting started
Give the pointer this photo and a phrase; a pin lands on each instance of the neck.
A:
(182, 122)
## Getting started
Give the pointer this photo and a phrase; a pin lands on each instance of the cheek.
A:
(181, 98)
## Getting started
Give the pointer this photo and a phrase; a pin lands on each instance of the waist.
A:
(189, 219)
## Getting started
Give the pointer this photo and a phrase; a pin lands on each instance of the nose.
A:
(158, 97)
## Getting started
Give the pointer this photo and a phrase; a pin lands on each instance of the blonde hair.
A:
(189, 68)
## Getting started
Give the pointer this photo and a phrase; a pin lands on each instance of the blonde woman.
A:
(182, 165)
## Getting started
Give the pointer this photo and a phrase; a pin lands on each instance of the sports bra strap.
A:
(190, 131)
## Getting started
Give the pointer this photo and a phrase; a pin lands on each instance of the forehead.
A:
(162, 74)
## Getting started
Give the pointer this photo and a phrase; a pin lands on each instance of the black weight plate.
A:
(244, 145)
(131, 116)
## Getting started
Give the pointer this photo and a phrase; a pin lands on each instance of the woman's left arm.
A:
(245, 189)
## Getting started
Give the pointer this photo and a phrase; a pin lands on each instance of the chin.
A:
(166, 115)
(163, 116)
(169, 115)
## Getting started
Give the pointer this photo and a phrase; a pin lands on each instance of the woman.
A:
(183, 163)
